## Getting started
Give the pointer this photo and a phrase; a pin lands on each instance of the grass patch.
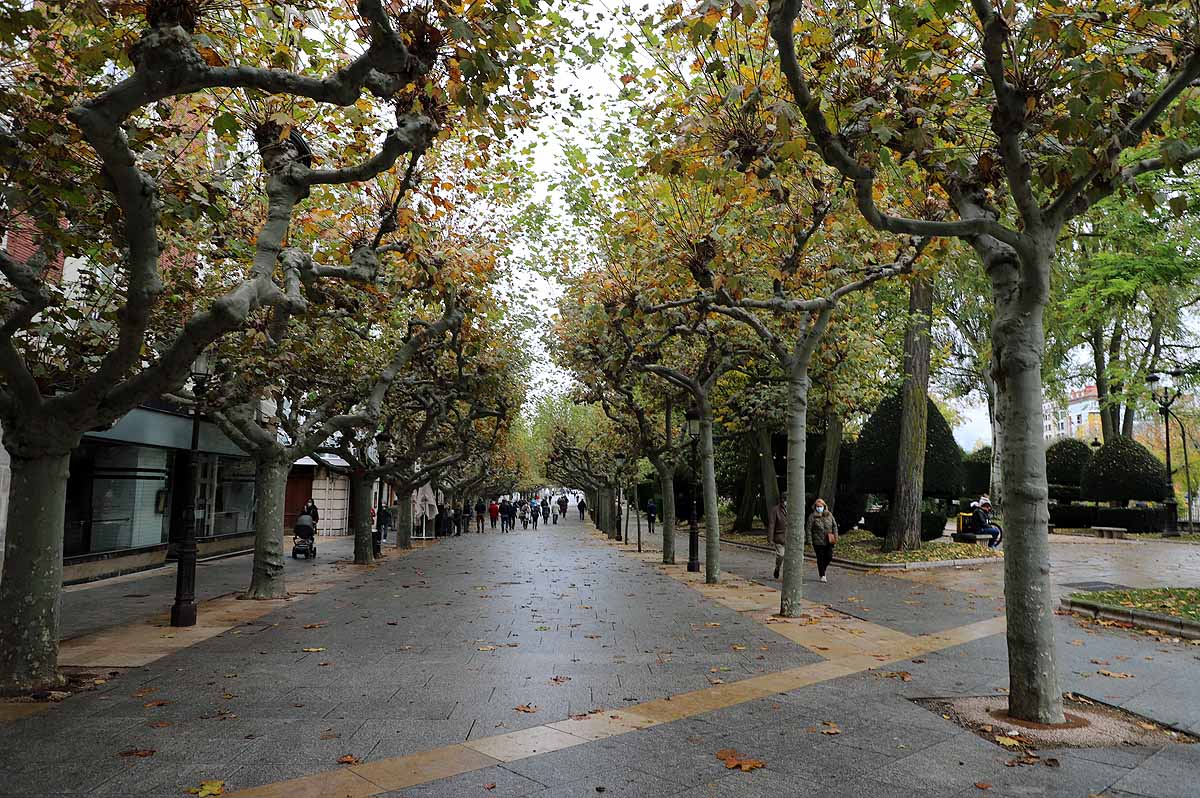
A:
(862, 546)
(1192, 538)
(1177, 602)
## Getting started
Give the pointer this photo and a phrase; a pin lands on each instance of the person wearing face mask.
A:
(822, 532)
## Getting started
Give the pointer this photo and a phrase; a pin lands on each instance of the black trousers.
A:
(824, 557)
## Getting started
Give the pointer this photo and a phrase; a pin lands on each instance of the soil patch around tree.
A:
(1090, 724)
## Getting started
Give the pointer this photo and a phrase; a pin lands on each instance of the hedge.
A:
(1065, 461)
(1073, 516)
(1124, 470)
(1133, 519)
(977, 471)
(877, 451)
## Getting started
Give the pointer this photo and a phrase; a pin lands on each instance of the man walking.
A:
(651, 513)
(480, 508)
(582, 505)
(777, 529)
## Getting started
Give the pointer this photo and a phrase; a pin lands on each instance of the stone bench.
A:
(971, 537)
(1110, 532)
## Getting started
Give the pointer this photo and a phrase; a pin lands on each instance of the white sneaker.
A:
(824, 579)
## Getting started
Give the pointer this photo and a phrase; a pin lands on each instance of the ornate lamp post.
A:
(183, 611)
(693, 431)
(1164, 397)
(619, 458)
(382, 441)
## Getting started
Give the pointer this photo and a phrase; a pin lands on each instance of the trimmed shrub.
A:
(933, 525)
(1124, 470)
(1073, 516)
(977, 471)
(1133, 519)
(876, 453)
(1066, 460)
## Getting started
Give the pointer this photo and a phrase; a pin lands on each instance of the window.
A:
(118, 497)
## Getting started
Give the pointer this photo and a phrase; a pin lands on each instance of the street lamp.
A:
(1164, 397)
(693, 431)
(619, 459)
(183, 611)
(382, 441)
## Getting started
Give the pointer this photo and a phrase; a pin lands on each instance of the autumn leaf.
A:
(903, 676)
(983, 785)
(348, 759)
(831, 728)
(561, 679)
(487, 648)
(160, 724)
(1008, 742)
(1115, 674)
(158, 703)
(529, 708)
(141, 753)
(207, 789)
(490, 785)
(315, 625)
(733, 759)
(312, 650)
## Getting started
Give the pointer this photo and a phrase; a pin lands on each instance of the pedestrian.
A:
(480, 508)
(441, 522)
(493, 512)
(310, 509)
(777, 521)
(651, 513)
(456, 519)
(535, 510)
(507, 514)
(546, 510)
(984, 524)
(822, 529)
(581, 503)
(385, 522)
(562, 506)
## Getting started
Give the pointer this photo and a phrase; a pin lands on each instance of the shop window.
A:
(118, 497)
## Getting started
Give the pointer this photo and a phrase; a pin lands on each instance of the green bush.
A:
(876, 453)
(977, 471)
(1065, 461)
(1124, 470)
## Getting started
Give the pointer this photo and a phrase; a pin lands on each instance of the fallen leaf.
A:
(490, 786)
(526, 708)
(145, 691)
(712, 625)
(348, 759)
(487, 648)
(158, 703)
(738, 647)
(208, 789)
(1115, 674)
(903, 676)
(312, 650)
(315, 625)
(733, 759)
(323, 664)
(393, 623)
(1147, 726)
(831, 728)
(141, 753)
(330, 735)
(1008, 742)
(983, 785)
(1075, 643)
(160, 724)
(561, 679)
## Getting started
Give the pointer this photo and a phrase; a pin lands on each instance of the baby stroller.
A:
(304, 538)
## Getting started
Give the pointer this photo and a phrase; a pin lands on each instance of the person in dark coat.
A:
(777, 521)
(310, 509)
(984, 524)
(651, 513)
(822, 531)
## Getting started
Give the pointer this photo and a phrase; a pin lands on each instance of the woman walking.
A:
(822, 532)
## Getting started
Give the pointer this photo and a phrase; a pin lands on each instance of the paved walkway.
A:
(417, 668)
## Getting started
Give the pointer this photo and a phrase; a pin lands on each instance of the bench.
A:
(1110, 532)
(971, 537)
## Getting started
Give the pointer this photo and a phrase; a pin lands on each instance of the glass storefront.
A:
(126, 496)
(118, 497)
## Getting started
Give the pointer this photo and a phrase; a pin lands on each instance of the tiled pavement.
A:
(437, 649)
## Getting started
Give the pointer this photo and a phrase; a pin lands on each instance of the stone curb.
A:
(1181, 627)
(884, 566)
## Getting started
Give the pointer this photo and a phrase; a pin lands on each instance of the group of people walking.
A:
(820, 531)
(506, 513)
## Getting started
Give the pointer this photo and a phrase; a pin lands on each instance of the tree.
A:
(904, 524)
(982, 96)
(877, 453)
(112, 115)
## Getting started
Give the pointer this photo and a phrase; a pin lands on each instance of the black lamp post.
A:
(693, 431)
(183, 611)
(619, 459)
(382, 441)
(1164, 397)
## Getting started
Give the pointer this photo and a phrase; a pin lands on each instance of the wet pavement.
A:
(456, 670)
